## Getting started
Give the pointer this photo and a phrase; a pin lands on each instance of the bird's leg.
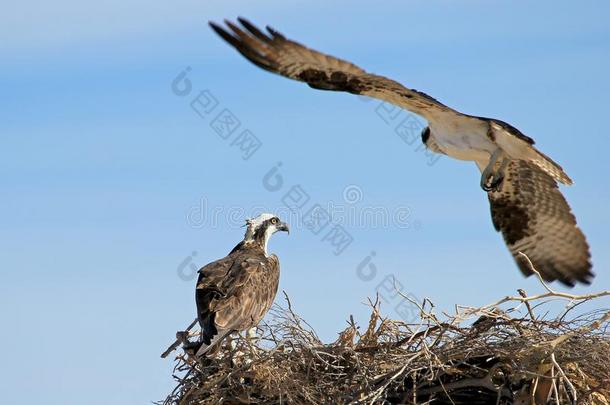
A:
(251, 338)
(498, 178)
(492, 179)
(234, 354)
(188, 346)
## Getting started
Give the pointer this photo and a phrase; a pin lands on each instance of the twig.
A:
(180, 338)
(443, 356)
(565, 378)
(527, 304)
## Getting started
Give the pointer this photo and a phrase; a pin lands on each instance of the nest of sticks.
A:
(508, 352)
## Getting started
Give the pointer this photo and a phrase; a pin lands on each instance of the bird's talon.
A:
(496, 183)
(491, 180)
(487, 184)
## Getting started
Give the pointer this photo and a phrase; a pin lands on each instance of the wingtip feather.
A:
(274, 33)
(254, 30)
(244, 21)
(225, 34)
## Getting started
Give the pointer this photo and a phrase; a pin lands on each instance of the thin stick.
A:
(180, 338)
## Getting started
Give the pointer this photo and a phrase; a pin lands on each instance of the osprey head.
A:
(261, 228)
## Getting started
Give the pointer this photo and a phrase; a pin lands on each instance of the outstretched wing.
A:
(535, 219)
(233, 294)
(273, 52)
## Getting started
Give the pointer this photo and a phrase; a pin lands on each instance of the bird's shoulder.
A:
(257, 262)
(499, 125)
(235, 268)
(217, 266)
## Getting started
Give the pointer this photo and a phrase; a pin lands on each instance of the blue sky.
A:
(104, 170)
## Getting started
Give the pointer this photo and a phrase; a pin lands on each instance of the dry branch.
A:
(508, 352)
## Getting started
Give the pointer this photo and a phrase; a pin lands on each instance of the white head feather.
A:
(253, 224)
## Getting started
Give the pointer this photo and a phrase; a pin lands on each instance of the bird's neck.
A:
(260, 239)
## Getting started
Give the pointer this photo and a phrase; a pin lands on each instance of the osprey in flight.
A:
(234, 293)
(520, 181)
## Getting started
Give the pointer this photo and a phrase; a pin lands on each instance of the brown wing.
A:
(273, 52)
(210, 287)
(235, 297)
(252, 294)
(535, 219)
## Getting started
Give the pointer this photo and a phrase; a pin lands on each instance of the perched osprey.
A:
(234, 293)
(520, 181)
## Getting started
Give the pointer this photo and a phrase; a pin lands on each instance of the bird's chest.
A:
(464, 142)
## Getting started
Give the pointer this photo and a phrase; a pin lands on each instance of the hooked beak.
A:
(284, 227)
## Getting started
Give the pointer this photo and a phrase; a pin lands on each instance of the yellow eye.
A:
(274, 221)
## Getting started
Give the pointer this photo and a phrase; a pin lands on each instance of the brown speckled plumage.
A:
(535, 219)
(234, 293)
